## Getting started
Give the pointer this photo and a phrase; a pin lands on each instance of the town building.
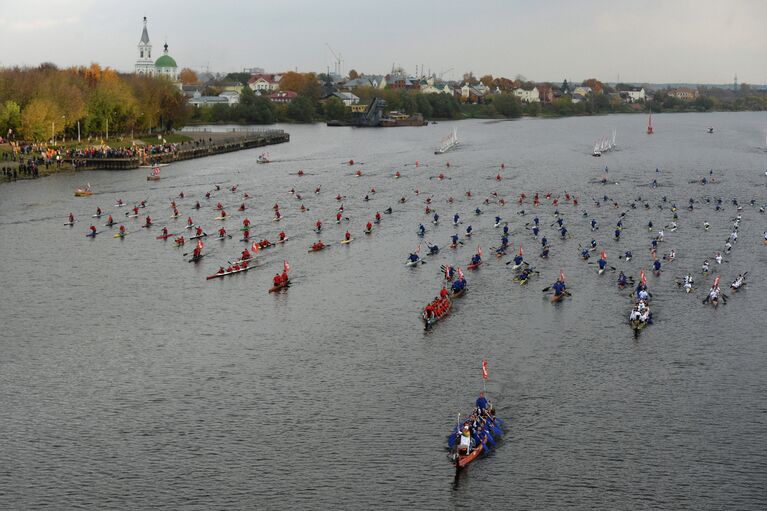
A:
(528, 95)
(683, 93)
(263, 82)
(347, 98)
(633, 94)
(282, 97)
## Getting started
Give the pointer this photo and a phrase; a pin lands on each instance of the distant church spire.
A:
(144, 63)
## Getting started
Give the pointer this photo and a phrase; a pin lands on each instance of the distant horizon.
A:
(683, 42)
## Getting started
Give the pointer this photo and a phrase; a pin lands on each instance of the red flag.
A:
(716, 281)
(643, 277)
(254, 247)
(460, 274)
(200, 244)
(603, 255)
(447, 272)
(479, 250)
(484, 370)
(562, 275)
(285, 266)
(418, 249)
(520, 249)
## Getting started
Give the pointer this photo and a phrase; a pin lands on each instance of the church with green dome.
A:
(164, 66)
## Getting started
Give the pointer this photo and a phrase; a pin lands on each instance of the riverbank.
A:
(197, 144)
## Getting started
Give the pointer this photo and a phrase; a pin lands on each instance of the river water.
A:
(128, 381)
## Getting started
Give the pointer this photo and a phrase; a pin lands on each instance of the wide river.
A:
(129, 381)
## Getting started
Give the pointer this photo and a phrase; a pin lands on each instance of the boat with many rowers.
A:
(435, 311)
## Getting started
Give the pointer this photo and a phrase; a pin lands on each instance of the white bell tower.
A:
(145, 64)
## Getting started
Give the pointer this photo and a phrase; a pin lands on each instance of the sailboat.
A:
(649, 124)
(448, 143)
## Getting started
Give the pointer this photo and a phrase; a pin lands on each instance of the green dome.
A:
(165, 61)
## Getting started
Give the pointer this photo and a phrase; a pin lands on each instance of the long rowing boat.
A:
(229, 272)
(439, 309)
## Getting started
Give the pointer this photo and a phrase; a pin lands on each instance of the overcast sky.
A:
(702, 41)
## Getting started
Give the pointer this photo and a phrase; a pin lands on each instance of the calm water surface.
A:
(128, 381)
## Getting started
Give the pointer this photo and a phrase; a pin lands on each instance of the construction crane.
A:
(337, 65)
(443, 73)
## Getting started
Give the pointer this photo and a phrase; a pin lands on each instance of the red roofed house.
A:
(282, 97)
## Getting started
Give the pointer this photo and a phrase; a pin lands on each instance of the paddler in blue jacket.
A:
(585, 254)
(478, 211)
(563, 232)
(535, 230)
(594, 225)
(505, 230)
(413, 257)
(454, 239)
(656, 265)
(517, 260)
(436, 218)
(456, 218)
(497, 220)
(458, 285)
(504, 242)
(433, 249)
(601, 263)
(622, 279)
(535, 220)
(468, 231)
(559, 221)
(559, 287)
(482, 403)
(545, 252)
(617, 234)
(476, 259)
(421, 229)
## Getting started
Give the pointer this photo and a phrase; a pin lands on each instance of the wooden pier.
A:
(203, 146)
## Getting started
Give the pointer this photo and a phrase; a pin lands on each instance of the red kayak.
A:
(165, 236)
(474, 266)
(281, 285)
(557, 298)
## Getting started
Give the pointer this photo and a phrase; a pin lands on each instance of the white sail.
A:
(448, 143)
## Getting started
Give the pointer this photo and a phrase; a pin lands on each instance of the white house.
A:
(633, 94)
(528, 95)
(264, 82)
(583, 91)
(228, 98)
(232, 96)
(347, 98)
(435, 88)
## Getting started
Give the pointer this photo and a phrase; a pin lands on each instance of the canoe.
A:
(429, 321)
(282, 285)
(557, 298)
(344, 242)
(494, 430)
(458, 294)
(637, 325)
(474, 266)
(412, 263)
(224, 274)
(83, 193)
(92, 234)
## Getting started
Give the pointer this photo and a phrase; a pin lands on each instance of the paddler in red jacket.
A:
(93, 229)
(165, 232)
(318, 225)
(282, 235)
(378, 216)
(221, 232)
(110, 220)
(246, 223)
(347, 236)
(245, 255)
(443, 293)
(284, 277)
(338, 217)
(199, 231)
(148, 221)
(369, 226)
(189, 222)
(277, 280)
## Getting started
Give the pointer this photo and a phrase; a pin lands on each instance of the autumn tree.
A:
(487, 80)
(353, 74)
(38, 120)
(596, 86)
(469, 78)
(188, 77)
(10, 117)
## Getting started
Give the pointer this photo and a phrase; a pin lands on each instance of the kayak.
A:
(600, 271)
(222, 238)
(344, 242)
(92, 234)
(121, 234)
(281, 285)
(190, 226)
(109, 224)
(474, 266)
(80, 192)
(196, 259)
(165, 236)
(368, 231)
(225, 273)
(276, 219)
(458, 294)
(70, 224)
(317, 249)
(198, 236)
(413, 263)
(283, 240)
(515, 267)
(221, 218)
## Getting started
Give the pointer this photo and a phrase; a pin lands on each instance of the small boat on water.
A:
(277, 287)
(435, 311)
(263, 158)
(83, 192)
(229, 271)
(448, 143)
(649, 124)
(155, 175)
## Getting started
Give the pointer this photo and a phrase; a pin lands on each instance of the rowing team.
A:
(241, 265)
(438, 307)
(281, 279)
(640, 312)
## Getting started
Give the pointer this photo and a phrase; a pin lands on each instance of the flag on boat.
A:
(716, 281)
(460, 274)
(200, 244)
(479, 250)
(447, 272)
(285, 266)
(520, 250)
(254, 247)
(156, 171)
(603, 255)
(643, 277)
(562, 275)
(418, 249)
(484, 370)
